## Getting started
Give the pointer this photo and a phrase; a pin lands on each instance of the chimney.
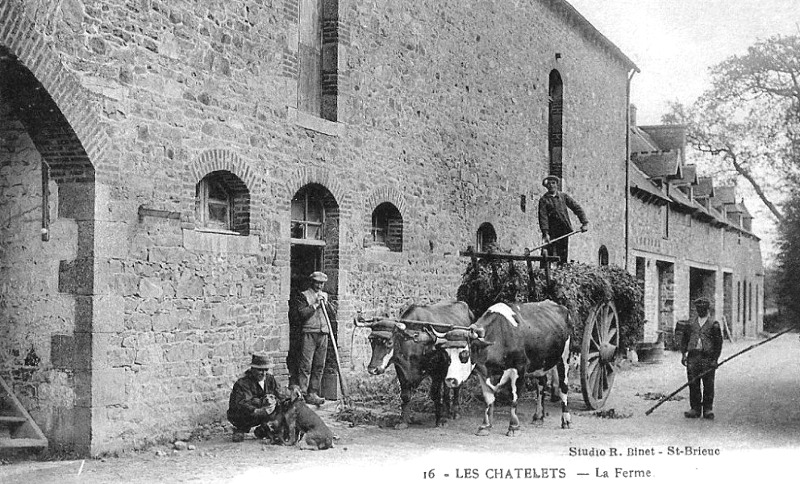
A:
(632, 108)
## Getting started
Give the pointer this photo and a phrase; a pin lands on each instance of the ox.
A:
(415, 356)
(508, 341)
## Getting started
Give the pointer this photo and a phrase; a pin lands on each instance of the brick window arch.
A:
(387, 227)
(555, 134)
(222, 203)
(602, 256)
(485, 238)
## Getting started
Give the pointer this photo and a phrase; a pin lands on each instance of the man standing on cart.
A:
(554, 219)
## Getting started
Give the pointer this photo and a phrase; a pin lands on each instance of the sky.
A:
(675, 42)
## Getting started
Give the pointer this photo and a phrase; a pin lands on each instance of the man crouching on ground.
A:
(253, 400)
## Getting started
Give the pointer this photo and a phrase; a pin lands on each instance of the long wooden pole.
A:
(791, 328)
(412, 321)
(556, 240)
(342, 382)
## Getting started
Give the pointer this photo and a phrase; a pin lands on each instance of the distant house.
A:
(689, 238)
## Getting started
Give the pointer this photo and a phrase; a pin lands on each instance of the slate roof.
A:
(689, 176)
(746, 213)
(641, 142)
(640, 185)
(667, 136)
(681, 199)
(726, 195)
(704, 188)
(659, 165)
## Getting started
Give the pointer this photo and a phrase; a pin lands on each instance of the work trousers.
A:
(312, 362)
(701, 399)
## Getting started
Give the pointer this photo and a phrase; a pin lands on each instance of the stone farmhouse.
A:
(689, 239)
(170, 170)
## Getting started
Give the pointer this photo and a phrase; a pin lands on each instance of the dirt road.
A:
(756, 436)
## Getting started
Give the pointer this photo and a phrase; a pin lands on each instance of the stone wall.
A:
(37, 318)
(443, 113)
(692, 243)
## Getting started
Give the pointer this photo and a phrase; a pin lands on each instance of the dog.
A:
(299, 423)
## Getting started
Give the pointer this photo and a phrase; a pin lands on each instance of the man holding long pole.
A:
(313, 307)
(700, 341)
(554, 219)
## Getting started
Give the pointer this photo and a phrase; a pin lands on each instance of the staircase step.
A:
(22, 443)
(17, 430)
(5, 419)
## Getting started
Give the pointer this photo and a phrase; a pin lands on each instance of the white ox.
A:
(509, 341)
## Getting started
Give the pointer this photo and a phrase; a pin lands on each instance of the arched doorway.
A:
(314, 241)
(47, 257)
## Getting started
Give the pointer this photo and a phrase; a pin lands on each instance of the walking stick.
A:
(717, 366)
(342, 383)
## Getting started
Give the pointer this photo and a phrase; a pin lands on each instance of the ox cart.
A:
(598, 340)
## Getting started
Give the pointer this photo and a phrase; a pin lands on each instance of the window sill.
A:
(216, 231)
(314, 123)
(317, 242)
(222, 242)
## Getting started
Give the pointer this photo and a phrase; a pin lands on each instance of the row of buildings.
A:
(171, 169)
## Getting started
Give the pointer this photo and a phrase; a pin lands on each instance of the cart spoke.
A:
(608, 316)
(600, 383)
(608, 371)
(593, 342)
(591, 381)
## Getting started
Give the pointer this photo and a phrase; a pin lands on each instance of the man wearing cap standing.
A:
(700, 342)
(253, 399)
(554, 219)
(311, 309)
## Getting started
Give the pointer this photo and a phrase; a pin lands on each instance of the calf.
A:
(415, 357)
(298, 422)
(508, 341)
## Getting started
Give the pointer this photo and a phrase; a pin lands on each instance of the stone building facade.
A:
(170, 169)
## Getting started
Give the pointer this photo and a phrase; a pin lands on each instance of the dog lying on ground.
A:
(297, 422)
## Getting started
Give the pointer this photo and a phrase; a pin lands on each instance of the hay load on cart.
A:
(606, 304)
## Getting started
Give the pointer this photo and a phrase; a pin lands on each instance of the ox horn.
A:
(476, 331)
(438, 337)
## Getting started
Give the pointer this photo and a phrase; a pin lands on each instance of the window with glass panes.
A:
(308, 215)
(215, 204)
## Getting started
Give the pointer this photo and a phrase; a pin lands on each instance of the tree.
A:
(748, 122)
(788, 262)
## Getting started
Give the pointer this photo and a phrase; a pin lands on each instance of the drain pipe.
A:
(628, 164)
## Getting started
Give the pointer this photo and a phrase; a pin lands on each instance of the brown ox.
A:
(415, 357)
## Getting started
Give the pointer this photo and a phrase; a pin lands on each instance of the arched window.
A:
(555, 135)
(318, 70)
(602, 255)
(222, 203)
(387, 227)
(308, 213)
(486, 238)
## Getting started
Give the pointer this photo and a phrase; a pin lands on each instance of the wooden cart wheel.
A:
(598, 349)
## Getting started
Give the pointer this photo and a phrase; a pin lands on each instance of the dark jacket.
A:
(308, 319)
(696, 340)
(553, 215)
(247, 395)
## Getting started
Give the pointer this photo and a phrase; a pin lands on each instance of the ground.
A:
(756, 430)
